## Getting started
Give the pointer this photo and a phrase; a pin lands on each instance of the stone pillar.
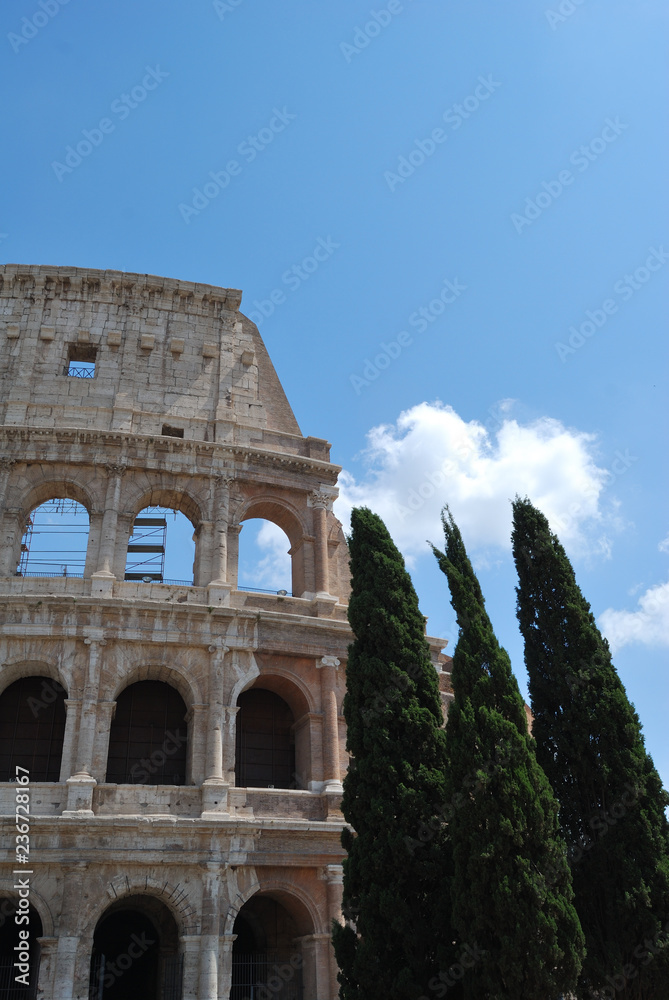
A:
(230, 743)
(226, 942)
(321, 502)
(331, 770)
(334, 878)
(82, 783)
(233, 554)
(211, 915)
(72, 713)
(105, 563)
(8, 541)
(197, 748)
(215, 788)
(220, 585)
(68, 931)
(189, 945)
(315, 965)
(47, 965)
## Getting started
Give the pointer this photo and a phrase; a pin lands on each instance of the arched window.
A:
(136, 952)
(148, 738)
(32, 727)
(161, 548)
(264, 560)
(265, 741)
(13, 949)
(55, 540)
(266, 938)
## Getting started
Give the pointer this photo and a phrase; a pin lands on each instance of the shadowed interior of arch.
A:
(55, 540)
(161, 547)
(264, 560)
(136, 952)
(266, 956)
(32, 728)
(148, 738)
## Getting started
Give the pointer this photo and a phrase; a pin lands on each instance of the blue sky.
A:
(501, 167)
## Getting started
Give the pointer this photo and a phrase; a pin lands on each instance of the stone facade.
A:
(184, 411)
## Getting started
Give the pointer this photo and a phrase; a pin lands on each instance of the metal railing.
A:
(266, 976)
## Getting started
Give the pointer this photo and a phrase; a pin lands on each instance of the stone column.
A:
(196, 721)
(211, 915)
(105, 563)
(226, 942)
(68, 931)
(82, 783)
(189, 945)
(8, 541)
(47, 961)
(331, 770)
(215, 788)
(334, 878)
(220, 586)
(233, 554)
(73, 711)
(321, 502)
(315, 965)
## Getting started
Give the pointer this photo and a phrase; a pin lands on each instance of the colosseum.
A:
(171, 750)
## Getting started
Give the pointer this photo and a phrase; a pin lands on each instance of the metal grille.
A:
(171, 978)
(265, 976)
(81, 370)
(9, 988)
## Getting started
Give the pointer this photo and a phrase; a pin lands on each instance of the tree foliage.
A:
(590, 745)
(510, 890)
(395, 783)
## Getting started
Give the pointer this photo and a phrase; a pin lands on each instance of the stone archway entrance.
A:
(266, 955)
(136, 953)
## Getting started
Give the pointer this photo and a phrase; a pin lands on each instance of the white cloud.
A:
(265, 562)
(664, 545)
(431, 456)
(649, 624)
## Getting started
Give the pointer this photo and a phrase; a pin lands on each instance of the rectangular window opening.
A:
(81, 360)
(174, 432)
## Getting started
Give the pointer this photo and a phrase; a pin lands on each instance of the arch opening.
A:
(266, 954)
(148, 741)
(32, 729)
(265, 562)
(55, 539)
(265, 747)
(136, 952)
(19, 943)
(161, 548)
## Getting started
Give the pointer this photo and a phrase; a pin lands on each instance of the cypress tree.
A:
(610, 795)
(510, 891)
(394, 787)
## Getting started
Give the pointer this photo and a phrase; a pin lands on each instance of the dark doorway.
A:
(32, 726)
(265, 741)
(266, 962)
(148, 738)
(10, 989)
(135, 954)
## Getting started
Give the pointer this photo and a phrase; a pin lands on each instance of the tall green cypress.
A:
(510, 892)
(590, 745)
(395, 782)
